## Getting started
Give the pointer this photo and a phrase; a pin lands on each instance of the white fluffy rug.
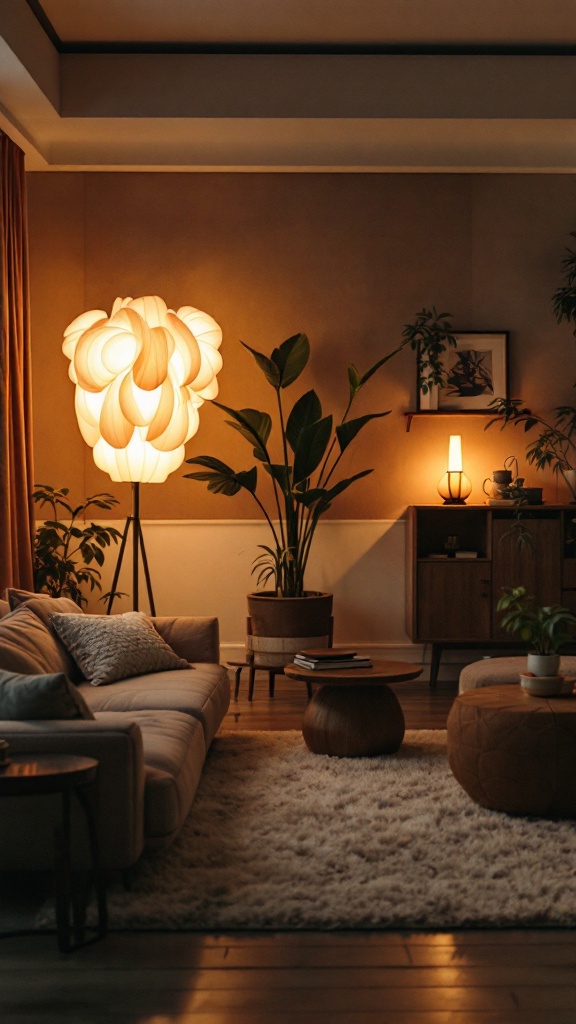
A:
(279, 838)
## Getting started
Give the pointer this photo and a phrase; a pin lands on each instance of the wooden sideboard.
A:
(451, 601)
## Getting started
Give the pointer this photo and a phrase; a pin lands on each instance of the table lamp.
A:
(454, 486)
(141, 375)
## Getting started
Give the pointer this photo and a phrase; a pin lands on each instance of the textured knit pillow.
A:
(111, 647)
(31, 697)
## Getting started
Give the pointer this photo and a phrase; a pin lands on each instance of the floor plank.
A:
(463, 977)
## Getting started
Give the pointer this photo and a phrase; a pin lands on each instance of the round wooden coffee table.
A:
(515, 753)
(354, 713)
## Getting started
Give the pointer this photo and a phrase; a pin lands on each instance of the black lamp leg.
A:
(133, 521)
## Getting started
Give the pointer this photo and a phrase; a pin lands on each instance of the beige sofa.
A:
(150, 734)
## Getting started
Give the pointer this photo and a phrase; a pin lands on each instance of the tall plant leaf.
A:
(311, 448)
(286, 362)
(327, 494)
(346, 432)
(253, 425)
(222, 479)
(307, 410)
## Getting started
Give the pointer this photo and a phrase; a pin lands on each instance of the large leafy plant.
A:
(302, 471)
(554, 446)
(545, 628)
(66, 548)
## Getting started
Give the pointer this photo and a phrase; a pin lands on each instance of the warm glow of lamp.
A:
(141, 375)
(454, 486)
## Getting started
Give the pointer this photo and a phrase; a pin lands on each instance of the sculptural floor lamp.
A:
(141, 375)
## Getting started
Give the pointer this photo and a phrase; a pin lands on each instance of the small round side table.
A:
(354, 713)
(68, 774)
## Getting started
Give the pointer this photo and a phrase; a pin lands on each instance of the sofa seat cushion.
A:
(174, 753)
(202, 691)
(503, 671)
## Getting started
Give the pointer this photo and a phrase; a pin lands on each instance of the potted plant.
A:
(299, 484)
(545, 628)
(64, 550)
(555, 445)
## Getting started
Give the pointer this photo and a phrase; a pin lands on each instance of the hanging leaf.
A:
(222, 479)
(346, 432)
(253, 425)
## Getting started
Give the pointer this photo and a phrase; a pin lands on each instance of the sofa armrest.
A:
(116, 743)
(193, 637)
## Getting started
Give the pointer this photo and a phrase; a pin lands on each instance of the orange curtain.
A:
(16, 460)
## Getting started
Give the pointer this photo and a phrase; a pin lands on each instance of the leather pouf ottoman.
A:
(515, 753)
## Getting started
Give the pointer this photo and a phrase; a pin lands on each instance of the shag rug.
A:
(279, 838)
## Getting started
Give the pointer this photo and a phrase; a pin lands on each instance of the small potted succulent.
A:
(545, 628)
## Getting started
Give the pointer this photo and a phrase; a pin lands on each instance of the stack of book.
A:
(329, 658)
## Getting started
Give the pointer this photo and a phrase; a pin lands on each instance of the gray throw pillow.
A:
(32, 697)
(112, 647)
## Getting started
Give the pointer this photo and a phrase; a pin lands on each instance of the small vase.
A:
(543, 664)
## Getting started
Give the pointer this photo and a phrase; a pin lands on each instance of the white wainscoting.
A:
(203, 568)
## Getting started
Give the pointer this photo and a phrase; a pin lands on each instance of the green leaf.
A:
(286, 363)
(353, 380)
(268, 367)
(254, 426)
(281, 473)
(346, 432)
(221, 479)
(307, 410)
(327, 495)
(291, 358)
(311, 448)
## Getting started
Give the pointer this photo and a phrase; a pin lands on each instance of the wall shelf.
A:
(443, 412)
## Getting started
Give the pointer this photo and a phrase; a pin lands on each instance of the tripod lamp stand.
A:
(141, 375)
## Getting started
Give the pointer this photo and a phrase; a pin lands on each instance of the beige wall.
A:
(347, 258)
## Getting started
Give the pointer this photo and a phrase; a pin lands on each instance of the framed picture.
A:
(476, 373)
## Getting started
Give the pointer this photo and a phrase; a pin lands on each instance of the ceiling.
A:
(301, 85)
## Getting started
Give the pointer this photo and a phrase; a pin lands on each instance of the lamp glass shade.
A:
(454, 487)
(141, 375)
(455, 454)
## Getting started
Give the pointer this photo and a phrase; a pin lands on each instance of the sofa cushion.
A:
(4, 608)
(44, 607)
(28, 698)
(112, 647)
(27, 645)
(174, 753)
(203, 693)
(15, 597)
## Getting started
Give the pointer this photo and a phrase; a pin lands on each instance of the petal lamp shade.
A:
(141, 375)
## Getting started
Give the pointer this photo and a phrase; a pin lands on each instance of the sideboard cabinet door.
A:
(454, 600)
(537, 568)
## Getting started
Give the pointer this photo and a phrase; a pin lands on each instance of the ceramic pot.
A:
(543, 664)
(281, 626)
(545, 686)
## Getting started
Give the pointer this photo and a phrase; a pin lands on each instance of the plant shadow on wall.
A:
(554, 447)
(65, 549)
(303, 483)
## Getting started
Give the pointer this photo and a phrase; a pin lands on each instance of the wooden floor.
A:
(469, 977)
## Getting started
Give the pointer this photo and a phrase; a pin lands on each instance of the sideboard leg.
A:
(435, 664)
